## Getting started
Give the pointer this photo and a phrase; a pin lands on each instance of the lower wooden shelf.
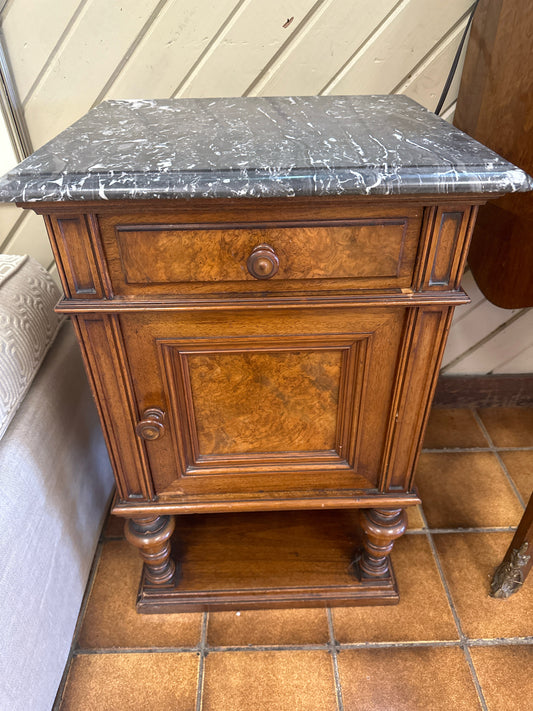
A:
(264, 560)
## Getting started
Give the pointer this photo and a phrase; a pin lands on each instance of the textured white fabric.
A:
(55, 480)
(9, 263)
(28, 326)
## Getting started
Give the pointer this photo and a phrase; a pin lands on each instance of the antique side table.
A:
(262, 289)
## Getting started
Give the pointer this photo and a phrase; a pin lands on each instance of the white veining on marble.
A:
(259, 147)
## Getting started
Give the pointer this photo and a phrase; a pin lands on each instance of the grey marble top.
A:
(259, 147)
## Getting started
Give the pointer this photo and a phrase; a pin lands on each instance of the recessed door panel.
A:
(264, 401)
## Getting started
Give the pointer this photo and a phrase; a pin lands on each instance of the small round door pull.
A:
(263, 262)
(152, 424)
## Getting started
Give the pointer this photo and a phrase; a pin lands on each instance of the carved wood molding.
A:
(114, 395)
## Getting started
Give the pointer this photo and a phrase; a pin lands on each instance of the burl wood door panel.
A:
(270, 398)
(292, 404)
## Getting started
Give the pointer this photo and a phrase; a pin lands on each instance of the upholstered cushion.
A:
(55, 480)
(28, 326)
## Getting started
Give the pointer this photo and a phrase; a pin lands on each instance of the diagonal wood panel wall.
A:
(69, 55)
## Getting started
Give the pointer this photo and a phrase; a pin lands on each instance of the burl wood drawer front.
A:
(357, 253)
(262, 402)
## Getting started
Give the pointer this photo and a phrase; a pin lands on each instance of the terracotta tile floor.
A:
(446, 645)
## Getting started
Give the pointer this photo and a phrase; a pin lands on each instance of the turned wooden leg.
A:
(151, 535)
(381, 527)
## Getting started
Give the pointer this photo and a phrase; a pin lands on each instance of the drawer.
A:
(377, 252)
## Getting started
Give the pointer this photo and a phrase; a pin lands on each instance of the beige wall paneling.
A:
(449, 113)
(519, 363)
(173, 44)
(515, 339)
(32, 28)
(408, 35)
(9, 214)
(322, 46)
(90, 52)
(472, 323)
(20, 232)
(426, 81)
(247, 43)
(8, 158)
(55, 276)
(468, 331)
(30, 238)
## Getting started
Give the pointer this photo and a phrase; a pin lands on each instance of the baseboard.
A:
(484, 390)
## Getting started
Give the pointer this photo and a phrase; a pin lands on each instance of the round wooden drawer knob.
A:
(263, 262)
(152, 424)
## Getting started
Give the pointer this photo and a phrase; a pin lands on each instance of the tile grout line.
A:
(459, 529)
(454, 450)
(477, 684)
(455, 614)
(333, 649)
(481, 642)
(79, 622)
(110, 651)
(201, 663)
(399, 645)
(500, 641)
(271, 647)
(495, 451)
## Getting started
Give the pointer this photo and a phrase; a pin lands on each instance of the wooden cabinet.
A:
(229, 386)
(262, 289)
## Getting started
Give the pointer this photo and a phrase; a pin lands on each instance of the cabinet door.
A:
(266, 404)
